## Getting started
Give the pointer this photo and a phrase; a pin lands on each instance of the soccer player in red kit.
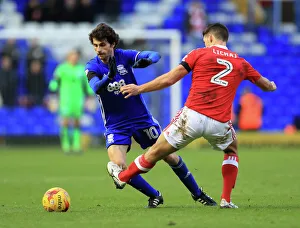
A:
(216, 74)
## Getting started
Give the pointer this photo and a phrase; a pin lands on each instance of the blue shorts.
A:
(145, 134)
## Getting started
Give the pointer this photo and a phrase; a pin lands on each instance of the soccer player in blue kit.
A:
(126, 118)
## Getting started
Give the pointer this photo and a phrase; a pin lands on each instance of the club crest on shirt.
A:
(121, 69)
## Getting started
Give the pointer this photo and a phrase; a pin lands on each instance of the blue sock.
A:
(186, 177)
(141, 185)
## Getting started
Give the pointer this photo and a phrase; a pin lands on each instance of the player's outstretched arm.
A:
(95, 83)
(146, 58)
(158, 83)
(265, 84)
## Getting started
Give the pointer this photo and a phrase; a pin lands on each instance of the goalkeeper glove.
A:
(112, 67)
(142, 63)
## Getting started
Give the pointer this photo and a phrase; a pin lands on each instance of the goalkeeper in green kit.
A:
(71, 84)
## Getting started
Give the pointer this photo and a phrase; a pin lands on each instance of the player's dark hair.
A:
(104, 32)
(219, 30)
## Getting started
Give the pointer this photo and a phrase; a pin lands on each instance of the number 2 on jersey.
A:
(217, 78)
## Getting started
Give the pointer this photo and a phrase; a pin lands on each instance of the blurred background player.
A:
(217, 73)
(250, 111)
(8, 82)
(126, 118)
(70, 82)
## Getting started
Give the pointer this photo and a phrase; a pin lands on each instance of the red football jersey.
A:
(216, 75)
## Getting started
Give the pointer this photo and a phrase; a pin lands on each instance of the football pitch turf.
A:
(267, 190)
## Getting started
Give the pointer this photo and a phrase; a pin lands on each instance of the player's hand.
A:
(274, 87)
(130, 90)
(142, 63)
(112, 67)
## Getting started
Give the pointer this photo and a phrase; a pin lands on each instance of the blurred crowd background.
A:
(266, 33)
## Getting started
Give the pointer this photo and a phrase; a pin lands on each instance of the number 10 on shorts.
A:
(151, 132)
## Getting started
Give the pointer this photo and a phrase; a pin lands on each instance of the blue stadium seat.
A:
(174, 22)
(127, 6)
(39, 112)
(180, 11)
(236, 28)
(15, 129)
(21, 5)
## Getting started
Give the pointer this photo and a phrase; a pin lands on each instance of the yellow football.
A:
(56, 199)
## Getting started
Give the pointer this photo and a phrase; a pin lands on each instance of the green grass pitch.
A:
(267, 190)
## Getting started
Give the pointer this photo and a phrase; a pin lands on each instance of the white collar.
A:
(220, 46)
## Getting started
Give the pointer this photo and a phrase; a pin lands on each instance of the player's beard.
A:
(103, 57)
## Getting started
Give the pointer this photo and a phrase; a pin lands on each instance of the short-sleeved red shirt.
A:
(216, 75)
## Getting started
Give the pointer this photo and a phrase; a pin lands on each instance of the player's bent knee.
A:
(172, 159)
(232, 148)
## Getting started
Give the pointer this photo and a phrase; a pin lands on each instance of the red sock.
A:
(229, 171)
(139, 165)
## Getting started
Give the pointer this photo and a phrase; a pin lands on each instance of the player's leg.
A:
(64, 135)
(229, 172)
(117, 155)
(162, 149)
(77, 110)
(222, 137)
(187, 178)
(181, 170)
(146, 135)
(65, 114)
(76, 143)
(145, 162)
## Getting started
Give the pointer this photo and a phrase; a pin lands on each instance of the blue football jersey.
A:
(116, 110)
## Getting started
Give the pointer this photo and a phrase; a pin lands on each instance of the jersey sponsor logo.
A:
(115, 86)
(122, 70)
(110, 138)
